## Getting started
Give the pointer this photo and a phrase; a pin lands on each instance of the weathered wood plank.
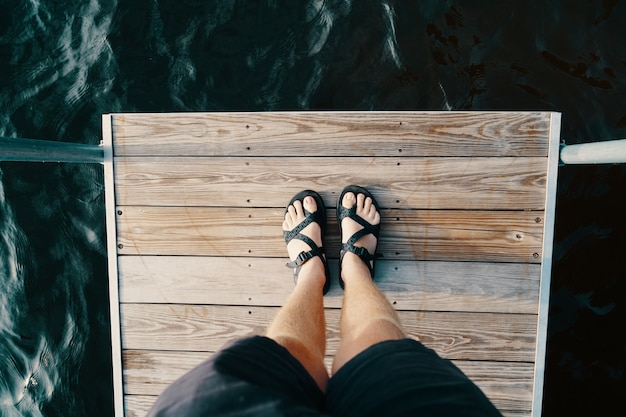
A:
(460, 193)
(410, 285)
(309, 133)
(150, 372)
(138, 406)
(431, 183)
(469, 336)
(449, 235)
(510, 390)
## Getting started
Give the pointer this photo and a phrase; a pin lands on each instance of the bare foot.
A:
(293, 217)
(367, 211)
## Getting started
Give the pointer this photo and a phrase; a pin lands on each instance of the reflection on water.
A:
(65, 62)
(29, 376)
(54, 295)
(58, 67)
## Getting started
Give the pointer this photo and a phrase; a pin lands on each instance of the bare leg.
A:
(299, 325)
(367, 317)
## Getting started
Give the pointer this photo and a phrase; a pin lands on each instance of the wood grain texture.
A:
(148, 373)
(468, 336)
(201, 254)
(407, 183)
(349, 133)
(139, 405)
(410, 285)
(448, 235)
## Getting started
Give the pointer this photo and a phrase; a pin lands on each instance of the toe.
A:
(360, 200)
(290, 215)
(367, 204)
(287, 222)
(293, 215)
(297, 206)
(372, 210)
(309, 204)
(348, 200)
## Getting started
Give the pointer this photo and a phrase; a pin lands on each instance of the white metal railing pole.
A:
(607, 152)
(34, 150)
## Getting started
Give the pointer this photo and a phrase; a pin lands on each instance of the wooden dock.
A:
(195, 203)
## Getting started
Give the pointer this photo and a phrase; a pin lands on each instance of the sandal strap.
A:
(319, 217)
(356, 236)
(294, 233)
(368, 228)
(361, 252)
(305, 256)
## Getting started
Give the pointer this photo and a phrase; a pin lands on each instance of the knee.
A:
(381, 329)
(312, 360)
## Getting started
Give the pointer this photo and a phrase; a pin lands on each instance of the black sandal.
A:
(368, 228)
(318, 217)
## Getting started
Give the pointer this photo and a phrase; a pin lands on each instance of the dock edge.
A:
(114, 303)
(546, 264)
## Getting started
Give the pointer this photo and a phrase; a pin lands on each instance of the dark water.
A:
(66, 62)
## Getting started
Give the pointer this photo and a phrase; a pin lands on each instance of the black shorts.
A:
(258, 377)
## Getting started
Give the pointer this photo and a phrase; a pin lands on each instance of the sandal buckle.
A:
(303, 257)
(361, 252)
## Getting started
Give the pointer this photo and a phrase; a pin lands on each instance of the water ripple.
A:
(27, 379)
